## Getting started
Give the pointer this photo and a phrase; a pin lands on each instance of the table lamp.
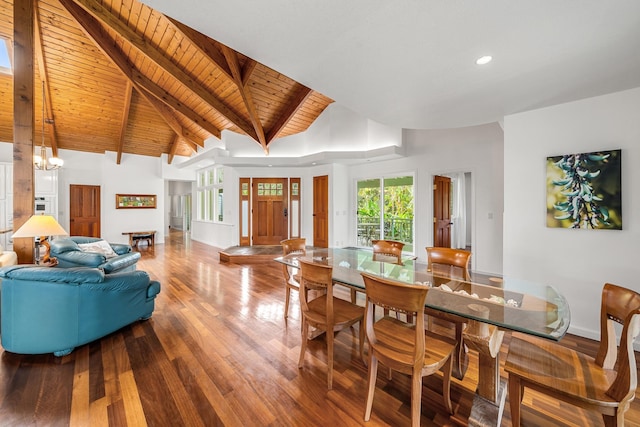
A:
(40, 227)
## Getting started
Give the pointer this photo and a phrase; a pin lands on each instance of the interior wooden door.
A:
(84, 210)
(269, 219)
(321, 211)
(442, 211)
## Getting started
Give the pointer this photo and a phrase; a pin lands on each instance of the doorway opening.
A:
(453, 210)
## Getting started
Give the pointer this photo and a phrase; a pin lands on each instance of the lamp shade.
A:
(40, 225)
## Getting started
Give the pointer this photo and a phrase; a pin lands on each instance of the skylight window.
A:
(5, 64)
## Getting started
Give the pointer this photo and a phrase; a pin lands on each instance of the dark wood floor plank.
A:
(218, 352)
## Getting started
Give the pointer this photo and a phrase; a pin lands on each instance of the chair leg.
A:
(373, 371)
(286, 300)
(616, 420)
(353, 296)
(303, 343)
(515, 398)
(446, 384)
(361, 330)
(329, 335)
(416, 398)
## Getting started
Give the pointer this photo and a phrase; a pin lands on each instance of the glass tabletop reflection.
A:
(517, 305)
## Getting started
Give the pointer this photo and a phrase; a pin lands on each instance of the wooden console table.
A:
(137, 236)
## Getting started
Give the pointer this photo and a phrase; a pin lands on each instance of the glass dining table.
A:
(481, 308)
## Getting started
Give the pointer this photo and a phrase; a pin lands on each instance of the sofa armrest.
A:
(153, 289)
(120, 262)
(120, 248)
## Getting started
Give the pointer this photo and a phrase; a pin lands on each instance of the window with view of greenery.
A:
(385, 210)
(209, 194)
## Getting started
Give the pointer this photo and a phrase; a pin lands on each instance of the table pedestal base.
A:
(485, 413)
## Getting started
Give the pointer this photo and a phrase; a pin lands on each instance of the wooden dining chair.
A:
(606, 384)
(400, 346)
(325, 312)
(453, 263)
(291, 279)
(446, 264)
(387, 251)
(384, 251)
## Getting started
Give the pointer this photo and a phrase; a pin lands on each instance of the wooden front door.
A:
(84, 210)
(321, 211)
(269, 219)
(442, 211)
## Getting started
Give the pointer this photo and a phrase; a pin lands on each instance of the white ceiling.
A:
(411, 63)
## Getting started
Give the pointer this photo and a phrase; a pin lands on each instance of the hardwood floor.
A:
(217, 351)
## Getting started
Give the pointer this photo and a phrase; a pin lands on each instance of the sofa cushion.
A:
(62, 245)
(99, 246)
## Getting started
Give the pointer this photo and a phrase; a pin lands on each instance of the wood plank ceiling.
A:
(119, 76)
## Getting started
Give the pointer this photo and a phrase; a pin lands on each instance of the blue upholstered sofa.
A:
(69, 254)
(54, 310)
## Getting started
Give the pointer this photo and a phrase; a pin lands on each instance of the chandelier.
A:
(40, 161)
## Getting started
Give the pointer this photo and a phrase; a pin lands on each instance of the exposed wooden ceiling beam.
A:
(102, 15)
(42, 68)
(204, 45)
(229, 64)
(288, 113)
(247, 70)
(92, 29)
(226, 59)
(234, 65)
(174, 148)
(125, 119)
(169, 117)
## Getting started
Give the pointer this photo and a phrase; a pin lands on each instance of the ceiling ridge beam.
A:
(125, 119)
(101, 14)
(107, 45)
(287, 114)
(234, 65)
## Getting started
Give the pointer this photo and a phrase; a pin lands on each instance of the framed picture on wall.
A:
(584, 190)
(136, 201)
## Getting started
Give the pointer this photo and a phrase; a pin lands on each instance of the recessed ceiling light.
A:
(484, 60)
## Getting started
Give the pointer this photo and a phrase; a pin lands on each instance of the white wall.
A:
(135, 175)
(476, 149)
(576, 262)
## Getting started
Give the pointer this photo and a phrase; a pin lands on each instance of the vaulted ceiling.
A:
(119, 76)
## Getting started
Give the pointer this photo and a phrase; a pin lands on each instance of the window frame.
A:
(410, 247)
(210, 194)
